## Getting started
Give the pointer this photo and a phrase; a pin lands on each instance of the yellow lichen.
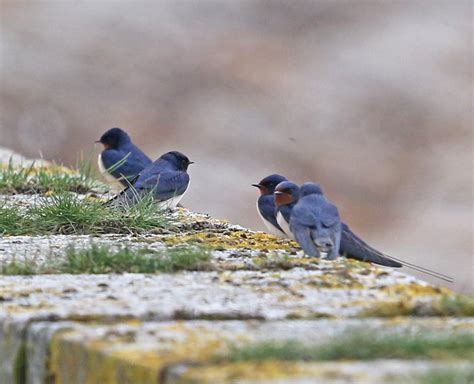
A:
(73, 358)
(231, 239)
(415, 290)
(17, 309)
(333, 280)
(406, 305)
(114, 355)
(250, 370)
(389, 309)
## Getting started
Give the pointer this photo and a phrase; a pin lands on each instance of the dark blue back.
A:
(135, 161)
(266, 206)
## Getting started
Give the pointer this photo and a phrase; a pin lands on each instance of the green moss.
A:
(442, 304)
(19, 365)
(458, 376)
(456, 305)
(392, 308)
(216, 316)
(309, 316)
(273, 261)
(361, 345)
(17, 268)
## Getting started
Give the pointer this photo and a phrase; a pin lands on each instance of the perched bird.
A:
(266, 203)
(166, 180)
(120, 160)
(354, 247)
(351, 246)
(316, 225)
(286, 196)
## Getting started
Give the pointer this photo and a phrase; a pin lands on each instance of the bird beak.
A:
(191, 162)
(256, 185)
(279, 193)
(97, 141)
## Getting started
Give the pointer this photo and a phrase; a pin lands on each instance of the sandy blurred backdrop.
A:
(370, 98)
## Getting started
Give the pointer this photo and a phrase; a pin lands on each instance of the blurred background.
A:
(372, 99)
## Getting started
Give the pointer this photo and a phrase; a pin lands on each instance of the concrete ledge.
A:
(184, 351)
(168, 328)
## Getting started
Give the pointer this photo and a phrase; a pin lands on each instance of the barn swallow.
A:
(166, 180)
(266, 203)
(351, 245)
(286, 196)
(315, 225)
(120, 160)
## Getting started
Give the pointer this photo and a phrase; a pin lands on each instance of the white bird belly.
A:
(284, 225)
(271, 228)
(172, 202)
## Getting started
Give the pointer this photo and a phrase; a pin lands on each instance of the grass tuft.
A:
(53, 179)
(14, 268)
(101, 259)
(68, 213)
(12, 221)
(360, 345)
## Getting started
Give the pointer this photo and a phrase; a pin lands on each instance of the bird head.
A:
(179, 160)
(310, 189)
(286, 193)
(268, 184)
(114, 138)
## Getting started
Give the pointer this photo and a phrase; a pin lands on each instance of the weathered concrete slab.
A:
(295, 293)
(186, 351)
(265, 295)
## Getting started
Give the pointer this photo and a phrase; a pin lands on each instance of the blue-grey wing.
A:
(139, 157)
(355, 248)
(302, 221)
(122, 165)
(166, 184)
(329, 215)
(302, 234)
(285, 211)
(303, 213)
(266, 207)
